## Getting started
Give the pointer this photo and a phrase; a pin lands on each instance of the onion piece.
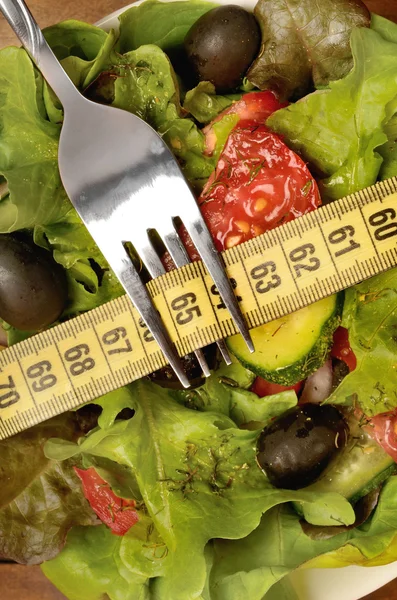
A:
(318, 386)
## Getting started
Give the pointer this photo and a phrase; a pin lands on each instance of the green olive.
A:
(33, 288)
(221, 46)
(296, 448)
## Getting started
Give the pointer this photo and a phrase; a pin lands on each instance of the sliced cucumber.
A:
(291, 348)
(359, 469)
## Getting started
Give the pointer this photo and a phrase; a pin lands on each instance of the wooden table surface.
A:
(28, 583)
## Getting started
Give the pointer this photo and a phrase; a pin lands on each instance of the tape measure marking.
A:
(279, 272)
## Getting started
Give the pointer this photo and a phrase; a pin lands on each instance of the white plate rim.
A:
(347, 583)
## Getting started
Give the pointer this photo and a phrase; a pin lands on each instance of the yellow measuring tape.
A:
(277, 273)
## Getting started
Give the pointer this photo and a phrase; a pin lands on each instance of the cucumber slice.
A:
(291, 348)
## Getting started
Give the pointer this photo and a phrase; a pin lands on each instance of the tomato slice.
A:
(262, 388)
(383, 429)
(252, 109)
(255, 107)
(341, 348)
(117, 513)
(259, 183)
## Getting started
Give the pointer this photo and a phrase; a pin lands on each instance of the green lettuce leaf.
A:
(248, 568)
(91, 282)
(350, 555)
(389, 150)
(204, 104)
(93, 564)
(370, 314)
(40, 500)
(338, 130)
(28, 148)
(387, 29)
(282, 590)
(159, 23)
(198, 477)
(304, 42)
(146, 86)
(255, 413)
(84, 72)
(141, 81)
(226, 392)
(75, 38)
(216, 394)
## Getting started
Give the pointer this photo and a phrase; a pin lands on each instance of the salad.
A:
(285, 459)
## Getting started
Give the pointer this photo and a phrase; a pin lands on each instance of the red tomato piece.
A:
(383, 429)
(262, 388)
(117, 513)
(341, 348)
(258, 184)
(253, 109)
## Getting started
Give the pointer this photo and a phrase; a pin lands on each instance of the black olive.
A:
(296, 448)
(33, 287)
(166, 377)
(221, 46)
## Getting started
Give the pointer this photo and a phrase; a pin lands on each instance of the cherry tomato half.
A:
(117, 513)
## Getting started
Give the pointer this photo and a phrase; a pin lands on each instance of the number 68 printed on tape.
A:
(285, 269)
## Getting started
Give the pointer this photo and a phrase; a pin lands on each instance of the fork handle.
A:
(26, 28)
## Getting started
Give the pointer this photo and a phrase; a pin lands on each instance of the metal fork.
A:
(124, 181)
(180, 257)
